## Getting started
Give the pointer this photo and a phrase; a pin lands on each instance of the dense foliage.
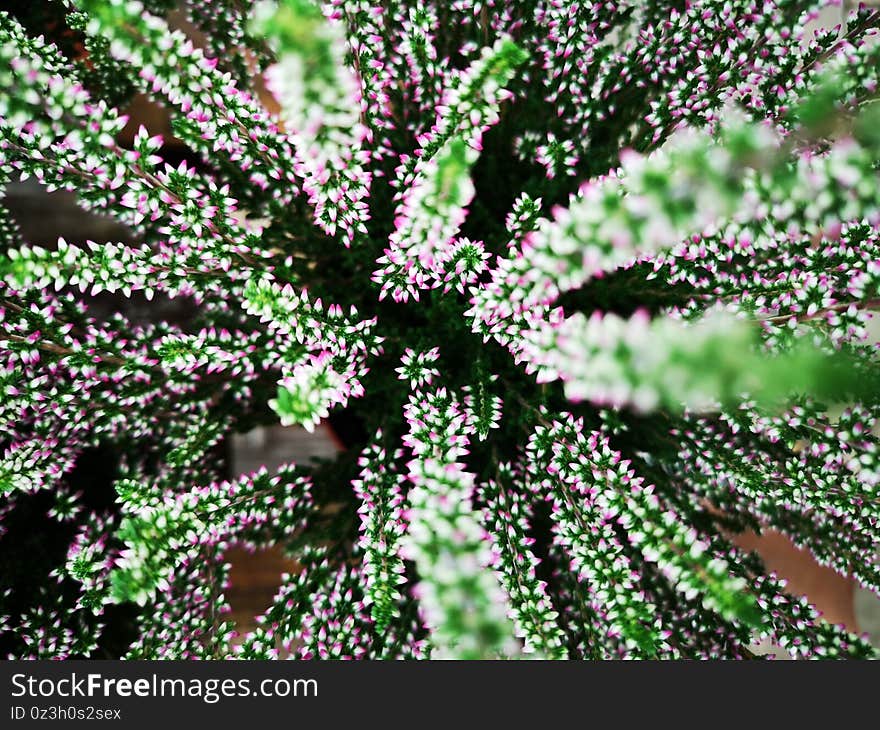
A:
(587, 283)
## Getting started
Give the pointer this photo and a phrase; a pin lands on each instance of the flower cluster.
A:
(464, 604)
(586, 288)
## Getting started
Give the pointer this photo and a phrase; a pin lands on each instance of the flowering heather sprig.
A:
(655, 533)
(483, 407)
(313, 384)
(382, 528)
(470, 105)
(321, 109)
(823, 287)
(646, 363)
(507, 517)
(418, 53)
(295, 315)
(792, 623)
(686, 66)
(90, 563)
(463, 602)
(417, 367)
(67, 505)
(313, 387)
(427, 224)
(194, 598)
(160, 534)
(48, 631)
(643, 236)
(436, 182)
(584, 518)
(691, 184)
(225, 25)
(336, 626)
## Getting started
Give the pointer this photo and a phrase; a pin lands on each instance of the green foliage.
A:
(585, 289)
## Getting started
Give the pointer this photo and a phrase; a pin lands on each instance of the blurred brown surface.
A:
(143, 111)
(830, 592)
(254, 578)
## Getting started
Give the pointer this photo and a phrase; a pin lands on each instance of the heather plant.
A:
(590, 284)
